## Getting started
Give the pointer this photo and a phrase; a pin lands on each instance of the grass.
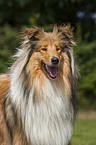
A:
(84, 132)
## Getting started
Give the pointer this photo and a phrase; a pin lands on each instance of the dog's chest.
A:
(50, 120)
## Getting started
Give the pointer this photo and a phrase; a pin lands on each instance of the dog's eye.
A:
(58, 49)
(44, 49)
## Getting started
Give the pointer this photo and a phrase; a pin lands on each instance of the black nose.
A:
(55, 60)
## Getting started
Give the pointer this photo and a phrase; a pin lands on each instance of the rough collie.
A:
(37, 97)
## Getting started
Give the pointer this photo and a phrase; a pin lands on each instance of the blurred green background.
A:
(16, 14)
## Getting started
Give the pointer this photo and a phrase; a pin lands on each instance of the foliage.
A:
(8, 44)
(86, 53)
(39, 12)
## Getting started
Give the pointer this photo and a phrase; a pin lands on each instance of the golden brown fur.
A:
(4, 86)
(37, 98)
(5, 138)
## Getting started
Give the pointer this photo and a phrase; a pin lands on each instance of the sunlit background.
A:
(81, 14)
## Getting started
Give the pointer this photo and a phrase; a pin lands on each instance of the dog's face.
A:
(50, 49)
(50, 56)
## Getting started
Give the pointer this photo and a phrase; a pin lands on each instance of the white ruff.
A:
(47, 121)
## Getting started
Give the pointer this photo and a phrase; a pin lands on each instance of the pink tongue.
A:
(52, 71)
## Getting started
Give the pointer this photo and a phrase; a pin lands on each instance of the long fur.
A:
(36, 109)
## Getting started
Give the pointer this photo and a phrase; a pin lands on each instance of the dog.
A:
(37, 96)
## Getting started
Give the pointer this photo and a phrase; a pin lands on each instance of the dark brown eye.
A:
(58, 49)
(44, 49)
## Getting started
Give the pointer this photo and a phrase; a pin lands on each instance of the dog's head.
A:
(52, 49)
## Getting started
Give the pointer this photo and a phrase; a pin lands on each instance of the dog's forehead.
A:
(50, 38)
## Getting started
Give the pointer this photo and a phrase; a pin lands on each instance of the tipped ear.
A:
(32, 33)
(66, 30)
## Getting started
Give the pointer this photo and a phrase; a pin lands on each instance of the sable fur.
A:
(36, 109)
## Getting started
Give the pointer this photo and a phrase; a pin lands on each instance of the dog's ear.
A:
(33, 33)
(66, 31)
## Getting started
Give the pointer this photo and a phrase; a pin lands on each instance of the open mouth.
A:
(51, 70)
